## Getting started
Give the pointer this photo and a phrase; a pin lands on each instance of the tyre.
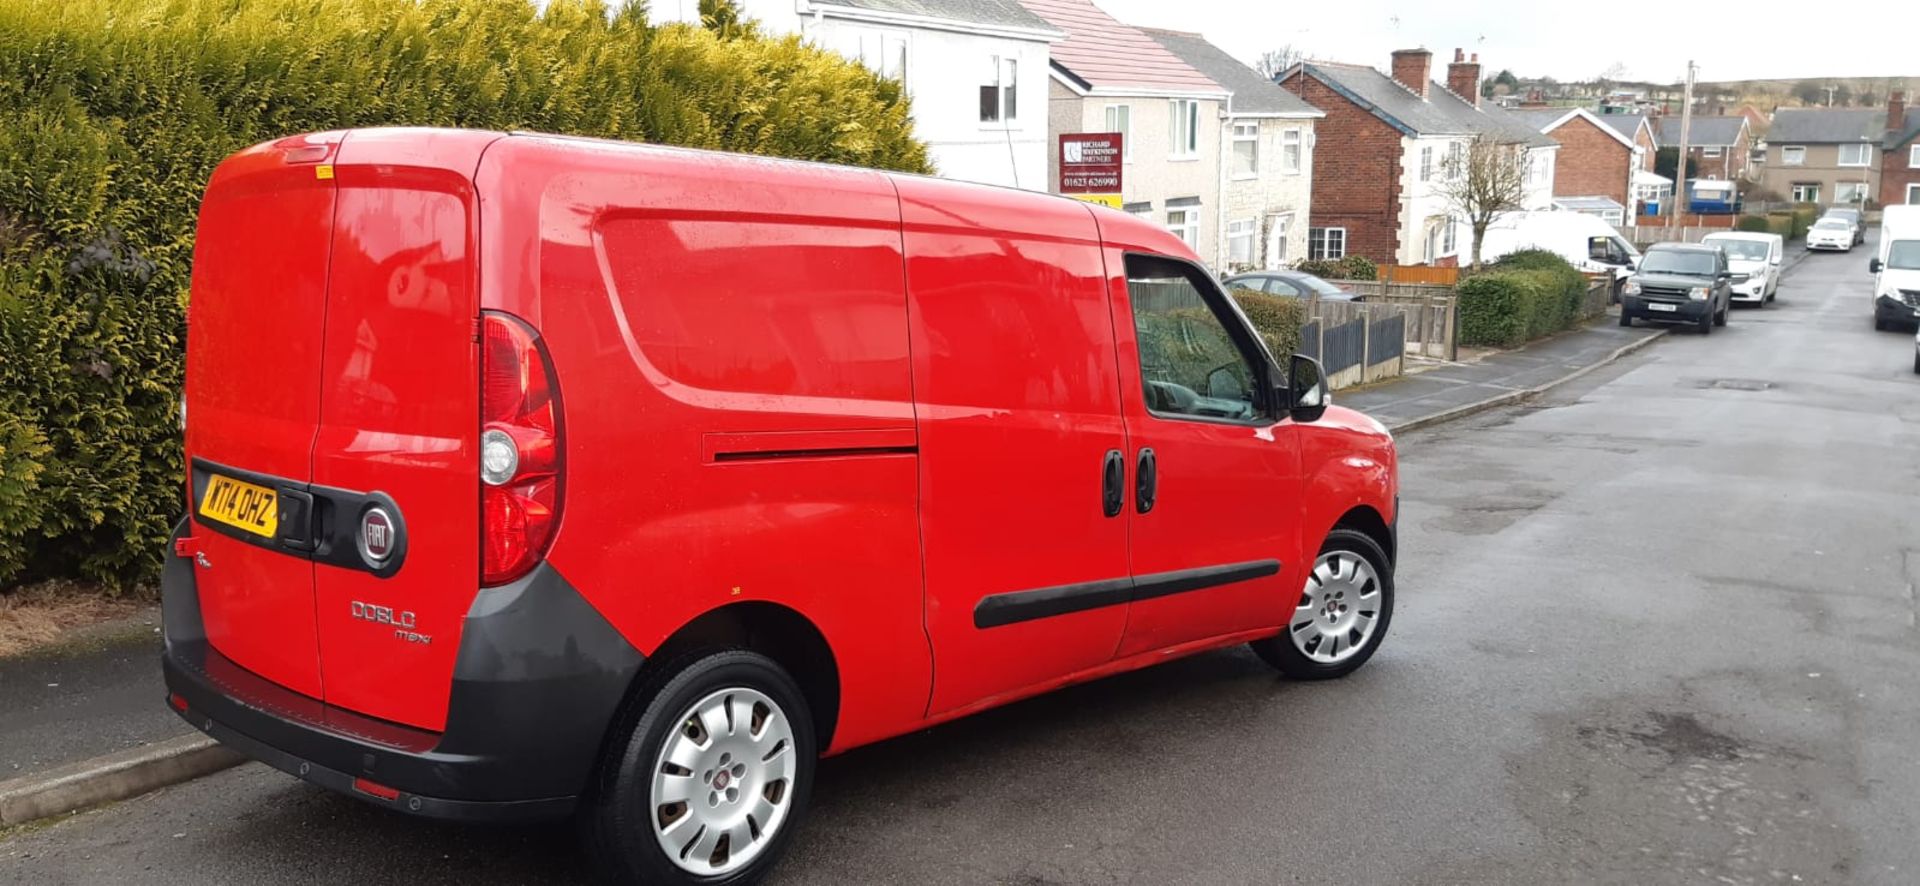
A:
(1720, 318)
(708, 777)
(1705, 323)
(1916, 363)
(1342, 614)
(1879, 325)
(1626, 319)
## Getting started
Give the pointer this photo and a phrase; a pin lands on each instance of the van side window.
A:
(1600, 249)
(1191, 365)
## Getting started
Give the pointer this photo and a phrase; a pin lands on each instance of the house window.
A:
(1246, 150)
(1913, 193)
(1806, 192)
(1139, 210)
(1426, 163)
(1456, 160)
(1433, 242)
(1184, 122)
(1850, 192)
(1913, 156)
(1710, 152)
(1451, 244)
(1000, 93)
(1185, 224)
(1240, 241)
(1277, 239)
(1120, 120)
(1793, 155)
(1854, 155)
(1326, 243)
(1290, 151)
(893, 63)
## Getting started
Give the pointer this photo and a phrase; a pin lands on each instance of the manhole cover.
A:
(1736, 384)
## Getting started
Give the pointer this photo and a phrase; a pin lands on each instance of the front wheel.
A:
(1720, 319)
(1626, 319)
(708, 780)
(1342, 613)
(1705, 323)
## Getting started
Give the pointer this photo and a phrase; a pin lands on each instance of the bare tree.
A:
(1274, 62)
(1490, 178)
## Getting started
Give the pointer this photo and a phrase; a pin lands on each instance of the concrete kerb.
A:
(111, 777)
(1512, 397)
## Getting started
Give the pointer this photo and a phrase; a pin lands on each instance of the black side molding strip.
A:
(1014, 607)
(825, 452)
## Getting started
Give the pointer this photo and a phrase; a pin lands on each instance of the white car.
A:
(1831, 233)
(1755, 260)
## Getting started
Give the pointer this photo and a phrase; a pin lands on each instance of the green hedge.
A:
(1352, 267)
(1277, 319)
(1754, 223)
(115, 111)
(1521, 297)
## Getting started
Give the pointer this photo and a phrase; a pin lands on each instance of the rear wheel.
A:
(707, 782)
(1342, 613)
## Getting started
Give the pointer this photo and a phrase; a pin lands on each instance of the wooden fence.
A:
(1431, 311)
(1357, 343)
(1643, 236)
(1427, 274)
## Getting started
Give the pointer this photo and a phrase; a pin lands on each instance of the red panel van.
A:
(532, 476)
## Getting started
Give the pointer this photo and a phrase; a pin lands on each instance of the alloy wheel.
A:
(723, 782)
(1339, 609)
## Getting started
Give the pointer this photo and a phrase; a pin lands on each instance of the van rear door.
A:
(253, 397)
(395, 462)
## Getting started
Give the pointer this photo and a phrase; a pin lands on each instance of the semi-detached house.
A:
(1722, 147)
(976, 71)
(1829, 156)
(1110, 77)
(1386, 145)
(1593, 171)
(1900, 153)
(1265, 162)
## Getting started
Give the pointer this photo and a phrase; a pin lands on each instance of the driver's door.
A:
(1213, 476)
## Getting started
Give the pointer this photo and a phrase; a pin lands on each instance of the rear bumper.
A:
(539, 678)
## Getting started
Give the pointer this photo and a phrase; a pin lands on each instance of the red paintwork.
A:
(958, 359)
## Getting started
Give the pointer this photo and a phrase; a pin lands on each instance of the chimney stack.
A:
(1896, 111)
(1463, 77)
(1413, 69)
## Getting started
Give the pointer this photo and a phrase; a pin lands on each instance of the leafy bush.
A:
(1754, 223)
(1277, 319)
(117, 110)
(1352, 267)
(1523, 296)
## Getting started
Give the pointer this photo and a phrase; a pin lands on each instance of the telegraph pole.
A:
(1680, 167)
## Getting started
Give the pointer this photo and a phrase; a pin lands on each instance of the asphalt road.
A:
(1658, 627)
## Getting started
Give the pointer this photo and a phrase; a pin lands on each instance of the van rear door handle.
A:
(1113, 487)
(1146, 481)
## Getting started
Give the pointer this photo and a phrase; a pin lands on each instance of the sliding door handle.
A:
(1146, 482)
(1113, 490)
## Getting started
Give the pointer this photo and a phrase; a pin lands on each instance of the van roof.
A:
(1741, 235)
(1683, 247)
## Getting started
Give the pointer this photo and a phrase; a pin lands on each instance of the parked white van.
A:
(1587, 242)
(1755, 259)
(1896, 269)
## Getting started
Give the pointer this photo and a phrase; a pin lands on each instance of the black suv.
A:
(1679, 283)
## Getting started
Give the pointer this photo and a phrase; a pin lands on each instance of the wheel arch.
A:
(776, 631)
(1368, 522)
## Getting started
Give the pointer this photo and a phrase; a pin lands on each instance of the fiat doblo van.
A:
(535, 476)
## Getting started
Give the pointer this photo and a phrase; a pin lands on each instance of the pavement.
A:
(1656, 625)
(98, 697)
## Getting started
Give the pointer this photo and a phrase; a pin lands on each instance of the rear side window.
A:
(1192, 364)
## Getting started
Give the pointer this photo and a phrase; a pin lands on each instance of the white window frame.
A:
(1433, 243)
(1866, 155)
(1005, 85)
(1793, 155)
(1322, 239)
(1913, 193)
(1913, 156)
(1805, 192)
(1183, 119)
(1710, 151)
(1245, 135)
(1456, 160)
(1450, 245)
(1426, 163)
(1125, 128)
(1293, 151)
(1842, 189)
(1242, 231)
(1188, 230)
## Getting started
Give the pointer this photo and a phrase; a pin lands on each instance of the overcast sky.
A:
(1752, 39)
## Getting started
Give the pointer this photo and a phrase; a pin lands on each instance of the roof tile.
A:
(1109, 55)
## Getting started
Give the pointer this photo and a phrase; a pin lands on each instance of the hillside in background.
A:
(1840, 92)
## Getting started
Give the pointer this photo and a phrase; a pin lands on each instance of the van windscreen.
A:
(1689, 263)
(1904, 255)
(1749, 250)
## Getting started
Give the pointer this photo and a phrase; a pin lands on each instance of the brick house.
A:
(1385, 146)
(1829, 156)
(1595, 159)
(1110, 77)
(1900, 153)
(1721, 147)
(1266, 157)
(1638, 128)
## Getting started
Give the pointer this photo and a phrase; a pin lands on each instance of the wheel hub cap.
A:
(1338, 609)
(722, 783)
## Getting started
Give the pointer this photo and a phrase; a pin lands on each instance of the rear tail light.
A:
(519, 449)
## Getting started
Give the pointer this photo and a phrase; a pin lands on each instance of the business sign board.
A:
(1090, 166)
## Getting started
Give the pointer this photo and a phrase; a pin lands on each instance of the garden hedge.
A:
(1352, 267)
(116, 111)
(1521, 297)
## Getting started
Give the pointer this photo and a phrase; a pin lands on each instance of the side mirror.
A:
(1306, 389)
(1724, 275)
(1874, 266)
(1775, 259)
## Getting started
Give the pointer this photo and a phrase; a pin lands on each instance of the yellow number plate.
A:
(243, 506)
